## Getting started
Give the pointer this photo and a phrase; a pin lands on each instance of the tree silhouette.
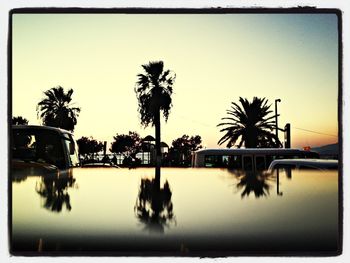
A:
(250, 123)
(258, 183)
(54, 191)
(57, 110)
(19, 120)
(182, 148)
(89, 146)
(254, 182)
(153, 89)
(154, 207)
(127, 144)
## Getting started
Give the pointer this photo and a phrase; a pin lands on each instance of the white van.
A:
(300, 164)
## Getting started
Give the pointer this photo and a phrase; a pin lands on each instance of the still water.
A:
(193, 211)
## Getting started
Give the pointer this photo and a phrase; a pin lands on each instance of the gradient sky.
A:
(217, 58)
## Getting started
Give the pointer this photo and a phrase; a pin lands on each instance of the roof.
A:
(149, 138)
(163, 145)
(319, 163)
(40, 127)
(305, 161)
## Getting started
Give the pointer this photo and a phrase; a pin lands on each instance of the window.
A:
(213, 161)
(24, 146)
(72, 150)
(260, 163)
(38, 146)
(247, 163)
(235, 162)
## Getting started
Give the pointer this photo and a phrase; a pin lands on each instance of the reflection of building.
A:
(148, 150)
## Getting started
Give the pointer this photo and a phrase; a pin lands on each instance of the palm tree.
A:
(250, 123)
(153, 89)
(56, 109)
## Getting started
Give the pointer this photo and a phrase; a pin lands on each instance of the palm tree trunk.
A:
(158, 151)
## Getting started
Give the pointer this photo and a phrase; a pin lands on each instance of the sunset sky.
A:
(217, 58)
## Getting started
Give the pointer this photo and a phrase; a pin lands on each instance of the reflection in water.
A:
(278, 191)
(253, 182)
(18, 178)
(21, 170)
(54, 191)
(103, 219)
(153, 206)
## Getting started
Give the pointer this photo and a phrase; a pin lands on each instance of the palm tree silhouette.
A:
(254, 182)
(56, 109)
(54, 191)
(153, 89)
(154, 207)
(251, 123)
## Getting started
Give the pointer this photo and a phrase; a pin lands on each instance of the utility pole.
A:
(276, 115)
(287, 142)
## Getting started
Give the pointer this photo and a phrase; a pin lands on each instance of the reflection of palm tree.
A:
(251, 123)
(56, 109)
(54, 191)
(256, 182)
(154, 89)
(153, 206)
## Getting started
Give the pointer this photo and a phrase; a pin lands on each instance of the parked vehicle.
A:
(42, 146)
(310, 164)
(251, 159)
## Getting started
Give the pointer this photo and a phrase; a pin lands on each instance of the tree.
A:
(126, 144)
(154, 207)
(153, 89)
(89, 146)
(57, 110)
(181, 150)
(19, 120)
(250, 123)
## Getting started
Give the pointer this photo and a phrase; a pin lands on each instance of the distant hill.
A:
(329, 150)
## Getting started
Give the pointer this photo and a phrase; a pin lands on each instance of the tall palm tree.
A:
(154, 88)
(251, 123)
(57, 110)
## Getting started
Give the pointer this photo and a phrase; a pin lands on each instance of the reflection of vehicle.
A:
(247, 159)
(311, 164)
(42, 146)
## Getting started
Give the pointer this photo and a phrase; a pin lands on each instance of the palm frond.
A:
(251, 122)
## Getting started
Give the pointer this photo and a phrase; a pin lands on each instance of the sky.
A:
(217, 58)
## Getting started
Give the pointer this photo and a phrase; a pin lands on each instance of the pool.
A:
(195, 211)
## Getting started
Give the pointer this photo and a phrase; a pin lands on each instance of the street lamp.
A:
(276, 115)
